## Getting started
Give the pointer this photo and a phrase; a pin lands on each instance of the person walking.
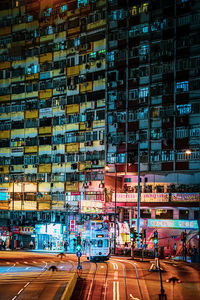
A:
(21, 245)
(174, 250)
(31, 244)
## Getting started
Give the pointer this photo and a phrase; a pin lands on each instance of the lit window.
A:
(182, 86)
(133, 94)
(63, 8)
(134, 10)
(111, 56)
(77, 42)
(143, 92)
(145, 28)
(50, 30)
(82, 2)
(184, 109)
(144, 50)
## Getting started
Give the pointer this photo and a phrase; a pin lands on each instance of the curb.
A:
(70, 288)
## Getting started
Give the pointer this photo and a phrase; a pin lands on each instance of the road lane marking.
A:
(115, 266)
(28, 268)
(14, 298)
(20, 291)
(27, 284)
(133, 298)
(25, 262)
(115, 290)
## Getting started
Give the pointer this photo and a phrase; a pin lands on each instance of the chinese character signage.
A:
(185, 197)
(179, 224)
(145, 197)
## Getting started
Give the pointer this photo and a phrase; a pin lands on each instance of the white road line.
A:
(25, 262)
(114, 290)
(28, 268)
(27, 284)
(20, 291)
(133, 298)
(34, 262)
(11, 267)
(14, 298)
(117, 290)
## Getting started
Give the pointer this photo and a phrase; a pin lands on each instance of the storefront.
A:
(4, 238)
(49, 237)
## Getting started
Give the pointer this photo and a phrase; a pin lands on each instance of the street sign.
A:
(78, 254)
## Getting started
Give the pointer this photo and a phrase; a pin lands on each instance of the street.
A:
(28, 275)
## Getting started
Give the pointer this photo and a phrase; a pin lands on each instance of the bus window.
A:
(100, 243)
(105, 243)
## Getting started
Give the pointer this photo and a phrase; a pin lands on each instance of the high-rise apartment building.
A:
(90, 83)
(153, 105)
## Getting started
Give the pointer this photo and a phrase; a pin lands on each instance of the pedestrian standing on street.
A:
(31, 244)
(21, 245)
(44, 245)
(174, 250)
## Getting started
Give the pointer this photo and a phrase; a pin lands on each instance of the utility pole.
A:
(138, 200)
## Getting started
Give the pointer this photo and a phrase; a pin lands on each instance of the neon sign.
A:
(179, 224)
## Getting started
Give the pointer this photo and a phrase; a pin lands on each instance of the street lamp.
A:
(138, 199)
(107, 168)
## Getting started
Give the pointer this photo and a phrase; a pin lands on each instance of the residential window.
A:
(143, 92)
(184, 109)
(182, 86)
(133, 94)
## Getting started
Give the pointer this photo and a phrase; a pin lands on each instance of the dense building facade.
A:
(152, 106)
(85, 84)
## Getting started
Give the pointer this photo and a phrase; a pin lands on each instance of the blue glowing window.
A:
(64, 8)
(182, 86)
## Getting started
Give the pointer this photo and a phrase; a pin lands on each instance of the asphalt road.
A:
(124, 278)
(25, 275)
(29, 276)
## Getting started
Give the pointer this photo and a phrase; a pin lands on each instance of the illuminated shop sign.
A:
(91, 207)
(52, 229)
(189, 197)
(145, 197)
(179, 224)
(4, 196)
(26, 230)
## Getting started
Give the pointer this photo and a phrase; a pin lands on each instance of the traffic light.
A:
(133, 233)
(155, 238)
(78, 246)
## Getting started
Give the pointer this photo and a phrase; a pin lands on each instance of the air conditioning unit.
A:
(87, 66)
(98, 64)
(34, 166)
(86, 46)
(93, 104)
(95, 162)
(54, 148)
(120, 82)
(88, 143)
(72, 50)
(11, 168)
(101, 142)
(25, 166)
(74, 166)
(88, 124)
(72, 87)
